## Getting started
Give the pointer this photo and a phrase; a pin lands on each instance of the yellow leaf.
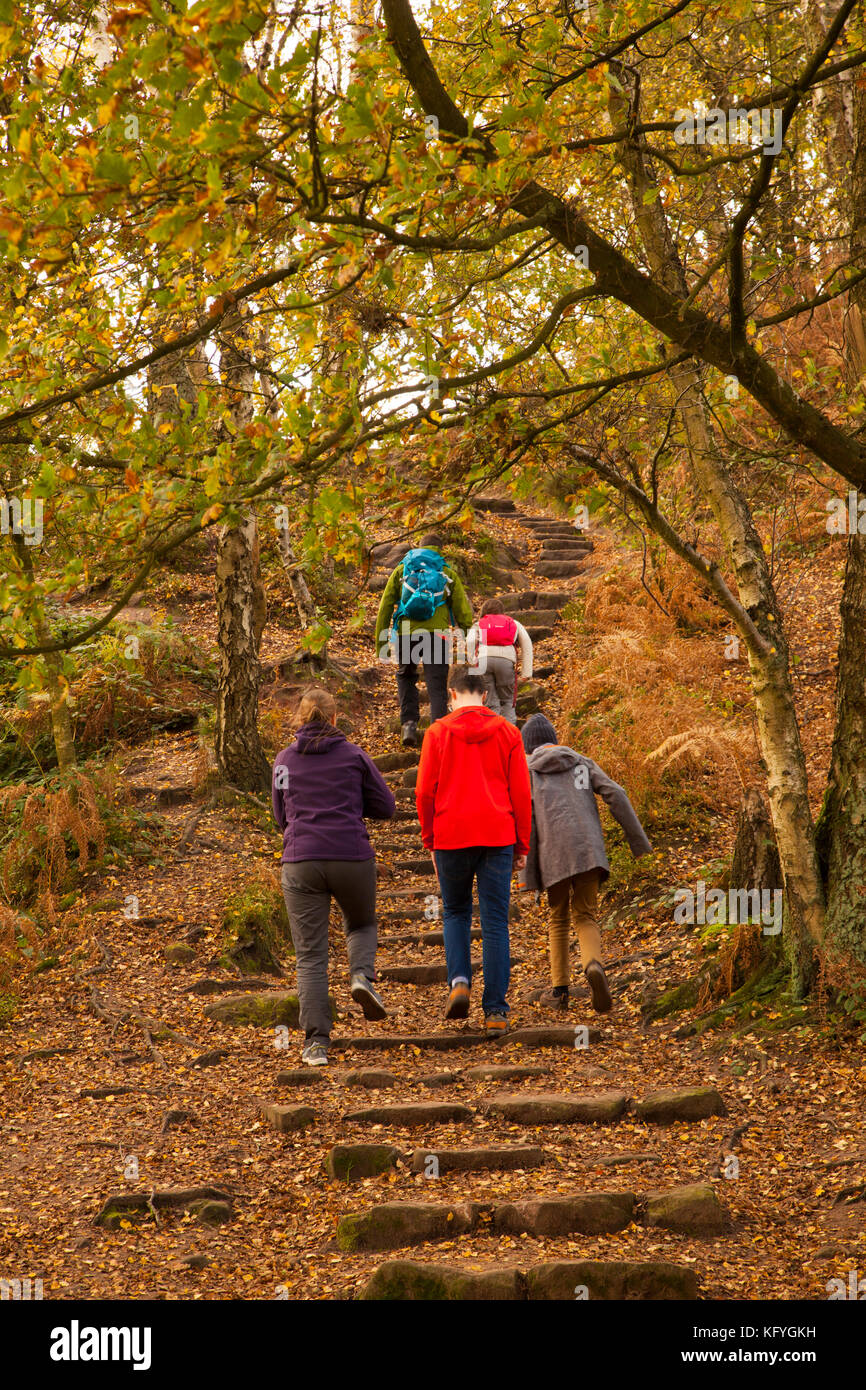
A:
(11, 227)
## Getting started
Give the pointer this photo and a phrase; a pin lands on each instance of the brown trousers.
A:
(579, 894)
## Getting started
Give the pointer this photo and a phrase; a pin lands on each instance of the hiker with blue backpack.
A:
(495, 645)
(422, 604)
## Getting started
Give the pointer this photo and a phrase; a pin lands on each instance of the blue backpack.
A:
(425, 585)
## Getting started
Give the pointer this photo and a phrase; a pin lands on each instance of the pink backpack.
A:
(499, 630)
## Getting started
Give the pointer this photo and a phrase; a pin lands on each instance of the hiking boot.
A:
(364, 994)
(409, 734)
(554, 999)
(597, 981)
(458, 1001)
(495, 1025)
(314, 1054)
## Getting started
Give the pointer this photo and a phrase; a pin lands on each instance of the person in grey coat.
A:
(567, 855)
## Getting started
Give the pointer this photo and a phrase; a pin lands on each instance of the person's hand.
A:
(433, 861)
(519, 862)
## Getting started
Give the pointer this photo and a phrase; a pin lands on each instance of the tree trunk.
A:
(842, 824)
(297, 583)
(239, 754)
(58, 687)
(778, 730)
(239, 594)
(755, 860)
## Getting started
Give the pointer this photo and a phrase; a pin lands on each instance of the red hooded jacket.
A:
(473, 783)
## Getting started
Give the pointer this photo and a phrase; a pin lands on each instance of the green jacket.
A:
(460, 607)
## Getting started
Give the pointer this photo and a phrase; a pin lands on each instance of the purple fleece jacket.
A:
(322, 788)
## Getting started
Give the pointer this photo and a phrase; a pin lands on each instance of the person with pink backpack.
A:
(495, 645)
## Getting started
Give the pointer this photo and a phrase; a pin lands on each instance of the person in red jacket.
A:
(474, 806)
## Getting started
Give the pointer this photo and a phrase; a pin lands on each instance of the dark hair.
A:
(493, 605)
(466, 681)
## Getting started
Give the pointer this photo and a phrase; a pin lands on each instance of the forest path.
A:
(578, 1156)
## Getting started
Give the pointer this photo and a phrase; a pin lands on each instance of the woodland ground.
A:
(795, 1079)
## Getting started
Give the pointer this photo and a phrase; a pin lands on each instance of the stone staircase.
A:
(492, 1114)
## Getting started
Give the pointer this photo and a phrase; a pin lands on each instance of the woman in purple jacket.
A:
(323, 787)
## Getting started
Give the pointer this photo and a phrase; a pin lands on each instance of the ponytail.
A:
(316, 706)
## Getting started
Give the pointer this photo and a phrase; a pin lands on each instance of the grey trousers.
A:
(308, 888)
(499, 681)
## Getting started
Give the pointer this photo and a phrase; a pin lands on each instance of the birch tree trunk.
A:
(239, 595)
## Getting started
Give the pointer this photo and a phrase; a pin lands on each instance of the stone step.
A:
(533, 617)
(389, 1042)
(412, 1113)
(601, 1107)
(448, 1042)
(599, 1280)
(667, 1107)
(434, 974)
(424, 938)
(554, 1035)
(370, 1080)
(353, 1162)
(416, 866)
(535, 598)
(559, 569)
(288, 1118)
(494, 504)
(414, 894)
(392, 762)
(434, 1162)
(303, 1076)
(402, 780)
(420, 974)
(399, 824)
(559, 532)
(264, 1010)
(539, 634)
(694, 1210)
(396, 1225)
(496, 1072)
(564, 550)
(409, 1280)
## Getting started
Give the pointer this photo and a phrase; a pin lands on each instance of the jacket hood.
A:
(553, 758)
(317, 737)
(473, 724)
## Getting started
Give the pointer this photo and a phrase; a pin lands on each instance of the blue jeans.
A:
(457, 869)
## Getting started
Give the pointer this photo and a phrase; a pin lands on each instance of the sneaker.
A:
(495, 1024)
(364, 994)
(314, 1054)
(458, 1002)
(409, 734)
(557, 1002)
(597, 981)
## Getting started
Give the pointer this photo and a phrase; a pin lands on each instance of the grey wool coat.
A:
(566, 836)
